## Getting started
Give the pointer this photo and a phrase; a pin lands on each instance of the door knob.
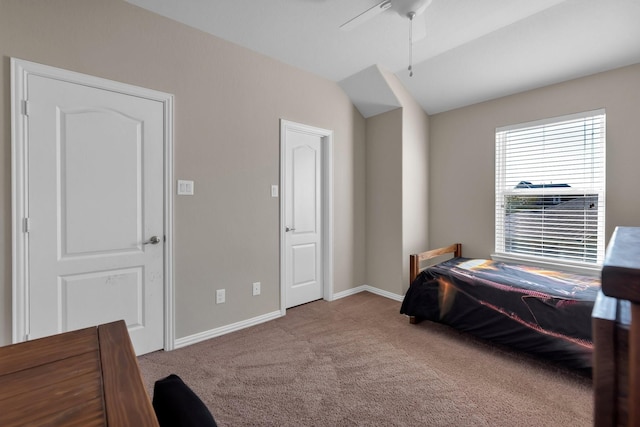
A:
(289, 229)
(152, 241)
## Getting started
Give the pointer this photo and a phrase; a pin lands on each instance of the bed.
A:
(542, 312)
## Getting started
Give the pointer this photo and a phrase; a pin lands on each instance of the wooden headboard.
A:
(416, 259)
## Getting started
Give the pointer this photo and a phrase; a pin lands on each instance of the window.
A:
(550, 190)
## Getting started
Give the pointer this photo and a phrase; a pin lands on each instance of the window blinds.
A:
(550, 188)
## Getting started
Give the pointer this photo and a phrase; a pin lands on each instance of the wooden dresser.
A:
(616, 333)
(88, 377)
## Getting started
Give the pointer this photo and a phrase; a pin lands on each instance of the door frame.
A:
(20, 71)
(327, 207)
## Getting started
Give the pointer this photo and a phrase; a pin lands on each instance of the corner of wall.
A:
(406, 184)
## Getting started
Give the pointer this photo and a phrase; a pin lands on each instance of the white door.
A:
(95, 237)
(303, 216)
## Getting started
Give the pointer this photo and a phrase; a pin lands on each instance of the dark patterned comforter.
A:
(543, 312)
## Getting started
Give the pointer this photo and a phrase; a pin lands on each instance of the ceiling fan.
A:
(410, 9)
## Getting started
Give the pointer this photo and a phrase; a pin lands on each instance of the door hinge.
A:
(25, 107)
(26, 225)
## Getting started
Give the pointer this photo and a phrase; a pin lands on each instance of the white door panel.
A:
(304, 258)
(88, 184)
(95, 195)
(83, 297)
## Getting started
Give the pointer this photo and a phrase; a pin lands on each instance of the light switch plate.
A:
(274, 191)
(185, 188)
(220, 296)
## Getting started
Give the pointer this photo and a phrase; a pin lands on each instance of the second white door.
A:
(303, 215)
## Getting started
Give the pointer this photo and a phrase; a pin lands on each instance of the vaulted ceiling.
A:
(464, 51)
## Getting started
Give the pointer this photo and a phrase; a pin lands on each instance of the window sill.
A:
(566, 266)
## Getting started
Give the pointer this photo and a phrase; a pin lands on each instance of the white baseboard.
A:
(368, 288)
(212, 333)
(349, 292)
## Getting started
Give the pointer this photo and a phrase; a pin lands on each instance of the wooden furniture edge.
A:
(92, 377)
(30, 354)
(621, 279)
(621, 267)
(634, 365)
(416, 259)
(64, 367)
(605, 383)
(126, 400)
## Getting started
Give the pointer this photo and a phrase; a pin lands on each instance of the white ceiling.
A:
(474, 50)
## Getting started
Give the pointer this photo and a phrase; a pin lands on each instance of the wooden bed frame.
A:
(415, 261)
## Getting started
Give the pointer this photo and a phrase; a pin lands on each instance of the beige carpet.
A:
(358, 362)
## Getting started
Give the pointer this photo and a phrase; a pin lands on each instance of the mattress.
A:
(543, 312)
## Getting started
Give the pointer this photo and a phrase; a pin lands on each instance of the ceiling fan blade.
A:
(366, 15)
(419, 27)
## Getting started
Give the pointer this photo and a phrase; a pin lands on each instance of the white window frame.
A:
(504, 188)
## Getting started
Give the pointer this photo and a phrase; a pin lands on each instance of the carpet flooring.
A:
(358, 362)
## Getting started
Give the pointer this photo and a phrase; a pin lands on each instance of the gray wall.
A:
(228, 102)
(462, 142)
(397, 190)
(415, 181)
(384, 201)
